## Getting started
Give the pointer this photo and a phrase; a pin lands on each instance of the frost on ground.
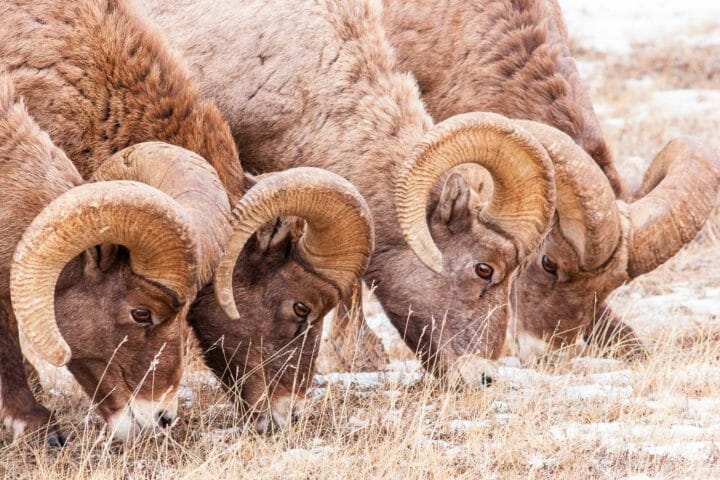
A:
(653, 69)
(614, 26)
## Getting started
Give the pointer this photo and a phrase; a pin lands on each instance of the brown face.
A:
(267, 357)
(126, 340)
(557, 301)
(461, 313)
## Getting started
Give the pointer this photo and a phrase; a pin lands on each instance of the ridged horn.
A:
(678, 193)
(523, 201)
(141, 218)
(189, 180)
(587, 210)
(339, 238)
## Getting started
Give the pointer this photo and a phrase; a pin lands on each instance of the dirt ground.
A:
(652, 77)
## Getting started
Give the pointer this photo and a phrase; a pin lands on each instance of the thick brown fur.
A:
(505, 56)
(97, 79)
(513, 57)
(316, 84)
(92, 304)
(34, 173)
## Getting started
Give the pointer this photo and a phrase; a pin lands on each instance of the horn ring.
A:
(339, 238)
(524, 195)
(139, 217)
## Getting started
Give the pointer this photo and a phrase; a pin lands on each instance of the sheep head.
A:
(599, 243)
(448, 293)
(103, 278)
(276, 281)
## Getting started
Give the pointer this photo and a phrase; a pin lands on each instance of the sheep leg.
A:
(19, 410)
(355, 345)
(610, 334)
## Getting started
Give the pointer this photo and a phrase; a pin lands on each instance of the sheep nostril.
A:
(57, 441)
(165, 419)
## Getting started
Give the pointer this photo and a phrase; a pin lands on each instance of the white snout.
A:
(522, 344)
(143, 416)
(283, 410)
(472, 371)
(17, 427)
(529, 348)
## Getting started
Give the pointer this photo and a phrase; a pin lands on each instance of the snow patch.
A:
(613, 26)
(368, 380)
(596, 392)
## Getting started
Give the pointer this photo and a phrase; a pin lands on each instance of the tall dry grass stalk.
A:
(565, 417)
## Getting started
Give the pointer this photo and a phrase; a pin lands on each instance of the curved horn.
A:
(147, 222)
(678, 194)
(339, 238)
(524, 195)
(191, 181)
(587, 210)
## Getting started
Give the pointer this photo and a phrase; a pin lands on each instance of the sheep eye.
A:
(301, 310)
(142, 316)
(549, 266)
(484, 271)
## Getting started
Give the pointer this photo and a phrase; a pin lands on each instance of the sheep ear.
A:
(98, 260)
(107, 254)
(278, 234)
(454, 206)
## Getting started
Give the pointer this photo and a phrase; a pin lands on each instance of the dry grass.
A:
(565, 418)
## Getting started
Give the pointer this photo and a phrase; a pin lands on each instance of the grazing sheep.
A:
(98, 81)
(77, 309)
(513, 57)
(316, 83)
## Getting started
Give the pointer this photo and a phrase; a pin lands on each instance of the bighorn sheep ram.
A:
(513, 57)
(315, 83)
(98, 81)
(76, 310)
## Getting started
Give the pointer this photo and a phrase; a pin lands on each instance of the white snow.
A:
(539, 461)
(202, 377)
(595, 364)
(221, 434)
(464, 426)
(693, 451)
(368, 380)
(186, 396)
(595, 392)
(613, 26)
(684, 441)
(669, 104)
(358, 423)
(703, 410)
(314, 457)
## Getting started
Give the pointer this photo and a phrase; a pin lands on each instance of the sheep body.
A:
(317, 84)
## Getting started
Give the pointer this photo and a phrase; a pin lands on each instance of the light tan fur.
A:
(316, 84)
(505, 56)
(513, 57)
(98, 80)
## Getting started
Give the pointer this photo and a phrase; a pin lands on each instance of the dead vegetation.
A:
(567, 417)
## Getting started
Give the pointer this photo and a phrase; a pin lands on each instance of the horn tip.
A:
(428, 254)
(227, 303)
(231, 312)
